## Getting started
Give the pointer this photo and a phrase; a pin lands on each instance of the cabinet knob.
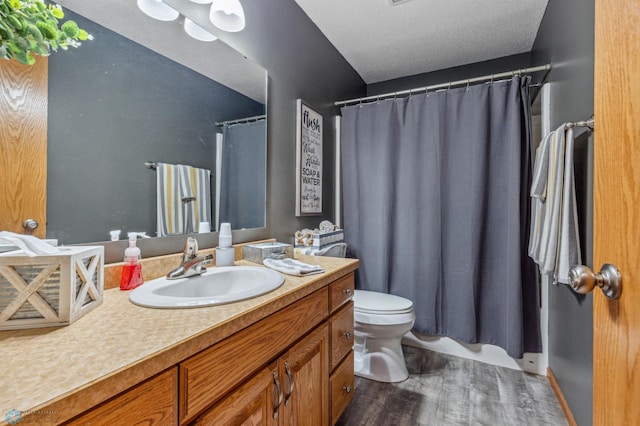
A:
(347, 291)
(347, 388)
(347, 335)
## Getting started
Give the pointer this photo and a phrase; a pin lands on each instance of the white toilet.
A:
(380, 322)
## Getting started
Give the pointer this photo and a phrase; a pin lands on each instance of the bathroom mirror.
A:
(144, 91)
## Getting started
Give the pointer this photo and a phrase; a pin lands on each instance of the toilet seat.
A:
(370, 307)
(372, 302)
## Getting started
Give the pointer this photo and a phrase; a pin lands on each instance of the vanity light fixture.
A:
(227, 15)
(157, 9)
(197, 32)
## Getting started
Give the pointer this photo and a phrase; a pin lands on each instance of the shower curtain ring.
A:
(467, 85)
(449, 88)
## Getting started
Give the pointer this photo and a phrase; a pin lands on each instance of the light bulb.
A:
(157, 9)
(197, 32)
(227, 15)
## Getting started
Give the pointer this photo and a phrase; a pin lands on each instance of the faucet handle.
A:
(190, 249)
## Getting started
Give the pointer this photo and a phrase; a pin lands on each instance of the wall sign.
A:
(308, 160)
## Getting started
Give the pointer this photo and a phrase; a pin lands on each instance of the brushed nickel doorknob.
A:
(583, 280)
(29, 226)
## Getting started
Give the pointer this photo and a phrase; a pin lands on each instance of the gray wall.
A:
(566, 39)
(301, 64)
(493, 66)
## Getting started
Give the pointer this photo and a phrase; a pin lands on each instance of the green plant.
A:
(31, 27)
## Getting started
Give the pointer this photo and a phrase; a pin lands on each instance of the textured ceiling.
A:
(383, 41)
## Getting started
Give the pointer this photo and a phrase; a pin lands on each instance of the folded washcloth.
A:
(30, 245)
(292, 267)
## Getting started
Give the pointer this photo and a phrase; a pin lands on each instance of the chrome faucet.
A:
(191, 264)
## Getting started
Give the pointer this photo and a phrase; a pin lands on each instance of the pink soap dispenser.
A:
(132, 268)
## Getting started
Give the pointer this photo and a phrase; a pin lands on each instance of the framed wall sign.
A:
(308, 160)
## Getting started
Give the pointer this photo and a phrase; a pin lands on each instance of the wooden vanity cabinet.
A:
(293, 367)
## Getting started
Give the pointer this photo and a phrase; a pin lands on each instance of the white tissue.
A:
(30, 245)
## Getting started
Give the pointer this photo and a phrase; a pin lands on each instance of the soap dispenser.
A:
(132, 268)
(225, 253)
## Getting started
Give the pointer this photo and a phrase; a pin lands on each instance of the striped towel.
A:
(292, 267)
(184, 198)
(554, 242)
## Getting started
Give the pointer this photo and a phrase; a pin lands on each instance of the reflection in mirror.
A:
(117, 104)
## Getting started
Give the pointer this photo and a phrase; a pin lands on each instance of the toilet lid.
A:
(372, 301)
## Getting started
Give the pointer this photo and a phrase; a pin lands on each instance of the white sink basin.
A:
(217, 286)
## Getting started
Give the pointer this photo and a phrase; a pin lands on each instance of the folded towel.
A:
(547, 192)
(292, 267)
(30, 245)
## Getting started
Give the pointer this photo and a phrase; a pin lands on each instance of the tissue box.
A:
(50, 290)
(324, 239)
(258, 252)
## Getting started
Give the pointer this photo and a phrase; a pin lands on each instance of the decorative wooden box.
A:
(318, 239)
(50, 290)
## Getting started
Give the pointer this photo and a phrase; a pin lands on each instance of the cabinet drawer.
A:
(341, 291)
(341, 329)
(210, 374)
(341, 386)
(154, 401)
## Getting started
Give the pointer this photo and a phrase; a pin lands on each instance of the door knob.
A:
(583, 280)
(29, 226)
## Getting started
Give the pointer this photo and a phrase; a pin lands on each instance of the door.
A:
(616, 324)
(23, 144)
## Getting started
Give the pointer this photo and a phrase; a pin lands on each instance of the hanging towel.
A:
(184, 198)
(554, 242)
(569, 254)
(292, 267)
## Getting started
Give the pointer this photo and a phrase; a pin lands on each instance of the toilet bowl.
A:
(380, 321)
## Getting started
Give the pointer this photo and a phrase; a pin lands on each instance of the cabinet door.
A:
(305, 371)
(251, 404)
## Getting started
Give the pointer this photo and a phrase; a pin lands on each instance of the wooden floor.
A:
(448, 390)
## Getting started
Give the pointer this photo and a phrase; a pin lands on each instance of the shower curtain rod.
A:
(241, 120)
(448, 85)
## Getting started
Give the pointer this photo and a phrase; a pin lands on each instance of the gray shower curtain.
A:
(244, 153)
(436, 208)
